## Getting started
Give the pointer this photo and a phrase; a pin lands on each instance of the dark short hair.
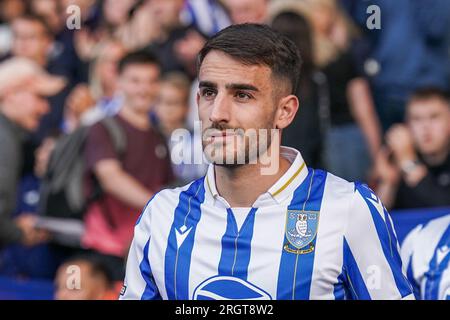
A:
(257, 44)
(96, 262)
(427, 93)
(138, 57)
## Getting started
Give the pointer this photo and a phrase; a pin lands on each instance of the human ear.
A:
(286, 111)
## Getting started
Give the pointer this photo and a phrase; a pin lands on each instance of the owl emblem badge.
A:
(301, 229)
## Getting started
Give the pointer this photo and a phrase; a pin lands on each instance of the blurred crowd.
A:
(87, 113)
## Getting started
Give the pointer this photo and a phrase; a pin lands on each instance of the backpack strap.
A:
(117, 134)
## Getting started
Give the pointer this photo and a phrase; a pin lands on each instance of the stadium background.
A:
(363, 61)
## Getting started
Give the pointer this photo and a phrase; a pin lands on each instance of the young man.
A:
(414, 169)
(129, 179)
(247, 232)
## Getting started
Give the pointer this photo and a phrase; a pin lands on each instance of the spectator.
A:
(51, 11)
(307, 130)
(352, 115)
(171, 112)
(177, 45)
(9, 10)
(116, 13)
(408, 52)
(114, 24)
(128, 180)
(33, 39)
(89, 18)
(87, 103)
(84, 277)
(104, 73)
(22, 85)
(172, 105)
(131, 22)
(38, 261)
(414, 169)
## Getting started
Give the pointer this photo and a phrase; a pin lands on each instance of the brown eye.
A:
(208, 93)
(243, 96)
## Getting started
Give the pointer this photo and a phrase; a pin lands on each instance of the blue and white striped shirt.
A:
(426, 253)
(310, 236)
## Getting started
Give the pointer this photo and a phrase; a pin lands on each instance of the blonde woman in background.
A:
(353, 137)
(88, 103)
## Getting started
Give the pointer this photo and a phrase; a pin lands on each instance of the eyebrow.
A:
(232, 86)
(206, 84)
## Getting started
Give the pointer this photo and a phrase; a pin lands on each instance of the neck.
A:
(242, 185)
(139, 120)
(436, 158)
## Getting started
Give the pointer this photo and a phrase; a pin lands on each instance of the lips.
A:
(214, 136)
(223, 135)
(222, 138)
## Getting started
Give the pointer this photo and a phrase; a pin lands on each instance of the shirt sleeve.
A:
(139, 283)
(407, 252)
(99, 146)
(372, 262)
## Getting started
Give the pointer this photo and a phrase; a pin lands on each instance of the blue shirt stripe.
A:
(243, 246)
(228, 246)
(436, 268)
(410, 275)
(178, 259)
(236, 246)
(295, 273)
(354, 280)
(151, 290)
(340, 288)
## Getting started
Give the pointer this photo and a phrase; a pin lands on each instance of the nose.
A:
(221, 110)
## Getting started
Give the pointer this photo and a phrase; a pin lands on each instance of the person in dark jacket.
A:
(414, 169)
(23, 86)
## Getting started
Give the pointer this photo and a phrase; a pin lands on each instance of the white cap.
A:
(24, 73)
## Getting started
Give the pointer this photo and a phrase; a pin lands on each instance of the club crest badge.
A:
(301, 229)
